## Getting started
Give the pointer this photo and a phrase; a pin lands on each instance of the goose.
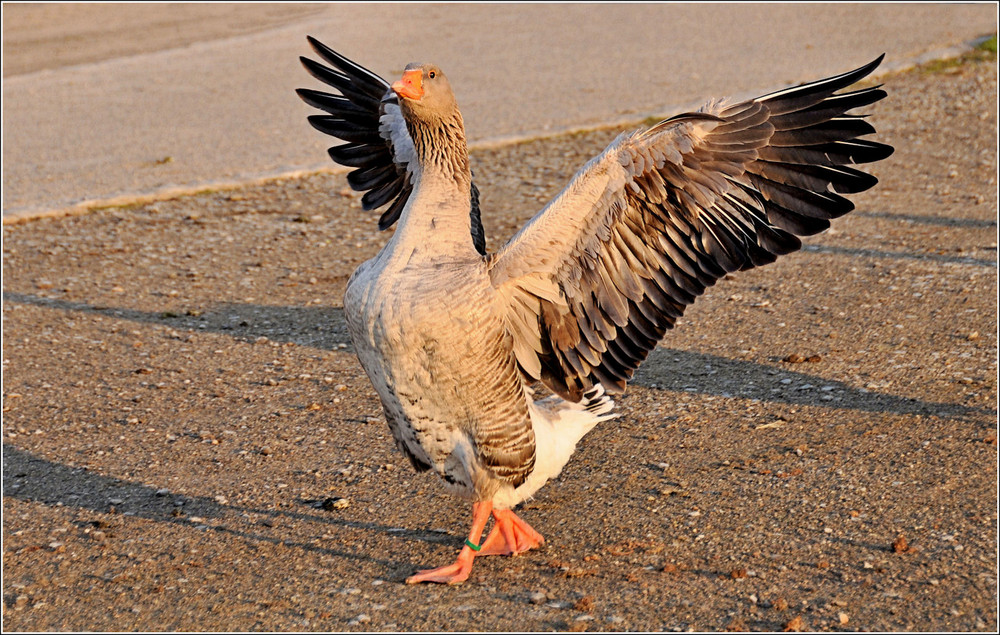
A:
(456, 341)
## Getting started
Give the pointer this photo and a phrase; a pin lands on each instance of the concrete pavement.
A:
(143, 117)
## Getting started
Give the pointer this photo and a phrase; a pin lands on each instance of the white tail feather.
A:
(558, 425)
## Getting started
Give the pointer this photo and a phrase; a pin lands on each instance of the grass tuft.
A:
(983, 50)
(988, 44)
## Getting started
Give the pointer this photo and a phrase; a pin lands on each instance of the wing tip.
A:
(321, 49)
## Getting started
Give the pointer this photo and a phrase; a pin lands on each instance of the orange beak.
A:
(411, 85)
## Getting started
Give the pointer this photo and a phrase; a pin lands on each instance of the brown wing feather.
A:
(601, 273)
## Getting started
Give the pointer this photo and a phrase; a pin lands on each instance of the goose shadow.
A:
(685, 371)
(34, 479)
(937, 221)
(324, 327)
(899, 255)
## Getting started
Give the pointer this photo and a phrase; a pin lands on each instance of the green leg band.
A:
(472, 545)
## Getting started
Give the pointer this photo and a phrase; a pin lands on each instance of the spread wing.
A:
(594, 280)
(378, 146)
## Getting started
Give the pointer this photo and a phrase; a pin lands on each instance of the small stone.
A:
(162, 491)
(794, 625)
(900, 545)
(781, 604)
(843, 618)
(360, 619)
(738, 574)
(336, 503)
(973, 336)
(586, 604)
(116, 501)
(99, 536)
(538, 597)
(794, 358)
(57, 547)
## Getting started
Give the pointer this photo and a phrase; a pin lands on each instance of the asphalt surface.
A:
(189, 442)
(107, 103)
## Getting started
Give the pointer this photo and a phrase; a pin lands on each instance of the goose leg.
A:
(459, 570)
(510, 535)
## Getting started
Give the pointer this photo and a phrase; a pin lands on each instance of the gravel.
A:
(194, 350)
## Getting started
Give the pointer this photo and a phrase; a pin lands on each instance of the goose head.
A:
(424, 93)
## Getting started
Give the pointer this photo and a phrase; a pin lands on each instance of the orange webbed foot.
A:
(455, 573)
(458, 572)
(510, 536)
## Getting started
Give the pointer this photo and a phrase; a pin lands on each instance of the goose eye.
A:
(431, 75)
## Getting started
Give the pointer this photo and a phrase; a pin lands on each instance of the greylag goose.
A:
(453, 339)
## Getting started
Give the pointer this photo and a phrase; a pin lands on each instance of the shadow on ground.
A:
(693, 372)
(31, 478)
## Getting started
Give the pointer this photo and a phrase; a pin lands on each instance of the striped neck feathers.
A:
(439, 141)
